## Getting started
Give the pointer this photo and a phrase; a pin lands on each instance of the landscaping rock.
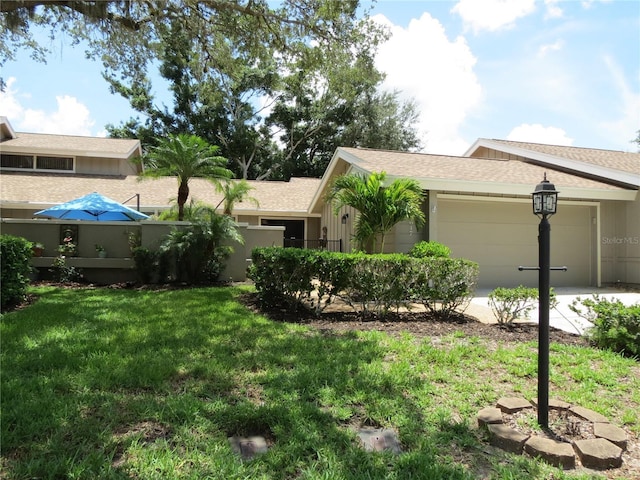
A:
(513, 404)
(598, 453)
(558, 454)
(379, 440)
(488, 416)
(506, 438)
(614, 434)
(248, 447)
(553, 404)
(589, 415)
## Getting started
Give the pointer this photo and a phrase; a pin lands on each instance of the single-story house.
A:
(478, 204)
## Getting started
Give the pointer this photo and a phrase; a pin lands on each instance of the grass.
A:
(103, 383)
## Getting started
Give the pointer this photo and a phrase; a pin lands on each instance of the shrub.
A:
(64, 273)
(430, 249)
(508, 304)
(444, 284)
(615, 326)
(15, 253)
(379, 282)
(370, 284)
(146, 263)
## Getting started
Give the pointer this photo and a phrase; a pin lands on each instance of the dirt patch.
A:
(420, 324)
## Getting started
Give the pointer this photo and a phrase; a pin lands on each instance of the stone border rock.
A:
(603, 452)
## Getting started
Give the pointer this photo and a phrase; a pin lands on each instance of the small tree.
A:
(184, 156)
(234, 192)
(380, 207)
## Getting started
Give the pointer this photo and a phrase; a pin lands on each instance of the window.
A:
(30, 162)
(16, 161)
(54, 163)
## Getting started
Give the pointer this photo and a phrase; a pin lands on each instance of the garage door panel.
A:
(500, 236)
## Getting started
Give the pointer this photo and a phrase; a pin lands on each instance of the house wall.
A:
(104, 166)
(336, 230)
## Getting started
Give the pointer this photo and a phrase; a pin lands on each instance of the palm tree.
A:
(234, 192)
(380, 207)
(185, 156)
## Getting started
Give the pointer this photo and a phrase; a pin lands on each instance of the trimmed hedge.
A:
(15, 253)
(370, 284)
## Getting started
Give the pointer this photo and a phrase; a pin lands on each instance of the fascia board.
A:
(136, 149)
(552, 160)
(339, 155)
(496, 188)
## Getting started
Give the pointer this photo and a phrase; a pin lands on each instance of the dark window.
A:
(16, 161)
(54, 163)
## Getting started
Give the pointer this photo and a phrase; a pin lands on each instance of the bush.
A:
(370, 284)
(64, 273)
(615, 326)
(444, 284)
(15, 253)
(146, 264)
(509, 304)
(430, 249)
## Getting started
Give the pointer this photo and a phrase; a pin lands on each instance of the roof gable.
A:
(610, 165)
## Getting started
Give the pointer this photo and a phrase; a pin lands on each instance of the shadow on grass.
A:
(82, 370)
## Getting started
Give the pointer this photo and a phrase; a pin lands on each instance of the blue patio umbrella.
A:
(93, 207)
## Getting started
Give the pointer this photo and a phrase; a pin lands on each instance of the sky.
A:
(563, 72)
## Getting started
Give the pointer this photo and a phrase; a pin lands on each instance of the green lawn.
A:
(106, 383)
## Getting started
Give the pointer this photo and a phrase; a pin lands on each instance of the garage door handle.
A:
(521, 268)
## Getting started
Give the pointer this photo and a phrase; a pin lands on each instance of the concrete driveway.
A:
(560, 317)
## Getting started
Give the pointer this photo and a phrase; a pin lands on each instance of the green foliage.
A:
(146, 264)
(371, 284)
(615, 326)
(443, 285)
(15, 253)
(64, 273)
(379, 206)
(509, 304)
(430, 249)
(185, 157)
(197, 249)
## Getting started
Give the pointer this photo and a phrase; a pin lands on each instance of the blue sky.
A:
(548, 71)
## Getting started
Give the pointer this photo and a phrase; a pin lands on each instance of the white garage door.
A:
(500, 236)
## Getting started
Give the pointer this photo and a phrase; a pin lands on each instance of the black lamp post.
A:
(545, 202)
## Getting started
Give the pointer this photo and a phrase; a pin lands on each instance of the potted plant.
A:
(38, 249)
(102, 253)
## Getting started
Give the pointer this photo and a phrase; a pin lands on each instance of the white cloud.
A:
(492, 15)
(551, 47)
(537, 133)
(553, 9)
(70, 118)
(422, 63)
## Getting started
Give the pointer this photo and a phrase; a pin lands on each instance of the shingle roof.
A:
(618, 160)
(293, 196)
(85, 146)
(428, 166)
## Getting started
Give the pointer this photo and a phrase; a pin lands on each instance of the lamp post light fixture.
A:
(545, 202)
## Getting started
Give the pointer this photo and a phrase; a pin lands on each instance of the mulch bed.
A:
(419, 324)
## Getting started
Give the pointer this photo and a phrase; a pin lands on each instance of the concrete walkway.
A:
(560, 317)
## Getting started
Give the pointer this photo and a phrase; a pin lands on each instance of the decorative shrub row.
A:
(370, 284)
(15, 253)
(615, 326)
